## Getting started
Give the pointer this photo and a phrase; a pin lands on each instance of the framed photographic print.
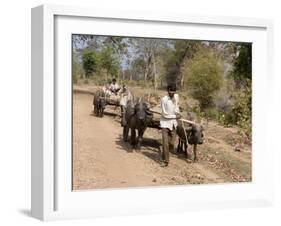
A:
(137, 112)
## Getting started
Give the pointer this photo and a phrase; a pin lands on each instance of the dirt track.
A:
(102, 160)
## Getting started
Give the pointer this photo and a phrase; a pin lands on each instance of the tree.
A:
(90, 63)
(77, 71)
(108, 62)
(119, 47)
(242, 66)
(184, 50)
(178, 56)
(144, 53)
(204, 76)
(137, 65)
(242, 76)
(148, 54)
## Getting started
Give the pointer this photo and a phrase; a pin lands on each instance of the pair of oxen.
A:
(137, 117)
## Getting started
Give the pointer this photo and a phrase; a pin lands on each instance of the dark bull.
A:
(99, 103)
(192, 134)
(137, 117)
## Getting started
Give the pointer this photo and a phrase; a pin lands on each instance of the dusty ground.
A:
(102, 160)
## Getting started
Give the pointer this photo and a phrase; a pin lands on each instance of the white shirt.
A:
(114, 87)
(168, 111)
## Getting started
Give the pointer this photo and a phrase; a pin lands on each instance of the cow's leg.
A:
(138, 146)
(123, 118)
(95, 110)
(140, 135)
(125, 133)
(133, 137)
(101, 112)
(98, 110)
(179, 146)
(188, 157)
(195, 152)
(185, 149)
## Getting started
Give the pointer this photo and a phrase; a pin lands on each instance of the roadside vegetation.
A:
(213, 78)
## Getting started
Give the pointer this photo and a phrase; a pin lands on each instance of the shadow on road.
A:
(110, 114)
(105, 114)
(149, 148)
(126, 146)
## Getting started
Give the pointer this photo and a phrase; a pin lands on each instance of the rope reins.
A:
(184, 131)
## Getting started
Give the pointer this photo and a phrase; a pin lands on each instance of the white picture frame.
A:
(52, 197)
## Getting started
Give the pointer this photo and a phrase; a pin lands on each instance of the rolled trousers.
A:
(168, 139)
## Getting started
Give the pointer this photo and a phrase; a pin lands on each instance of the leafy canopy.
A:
(90, 62)
(95, 61)
(204, 76)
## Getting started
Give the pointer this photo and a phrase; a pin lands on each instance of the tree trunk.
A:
(145, 74)
(154, 72)
(146, 71)
(182, 75)
(182, 78)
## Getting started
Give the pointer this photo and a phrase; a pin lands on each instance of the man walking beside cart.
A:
(125, 96)
(168, 122)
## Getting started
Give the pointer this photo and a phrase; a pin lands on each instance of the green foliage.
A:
(90, 62)
(75, 78)
(242, 67)
(102, 63)
(177, 57)
(142, 83)
(171, 65)
(242, 110)
(215, 75)
(242, 75)
(204, 77)
(211, 113)
(108, 61)
(239, 111)
(77, 71)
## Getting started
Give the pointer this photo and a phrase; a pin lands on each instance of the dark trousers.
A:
(168, 139)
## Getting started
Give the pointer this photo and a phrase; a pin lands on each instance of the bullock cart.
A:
(189, 132)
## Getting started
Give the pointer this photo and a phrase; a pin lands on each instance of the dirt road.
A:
(102, 160)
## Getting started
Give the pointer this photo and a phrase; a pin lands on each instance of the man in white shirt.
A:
(124, 98)
(168, 122)
(114, 87)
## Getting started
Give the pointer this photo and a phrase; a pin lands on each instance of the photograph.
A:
(150, 112)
